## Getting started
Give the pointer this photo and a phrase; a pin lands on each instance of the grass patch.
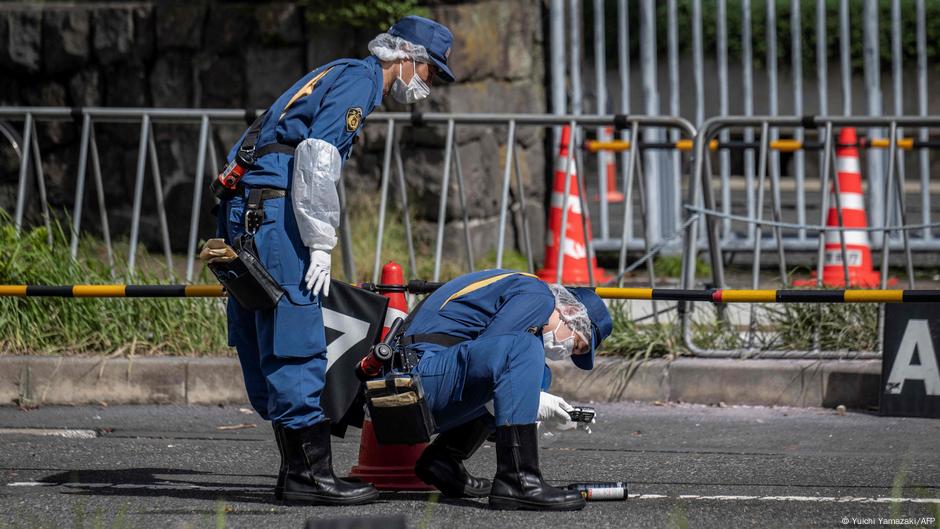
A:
(671, 266)
(64, 326)
(839, 327)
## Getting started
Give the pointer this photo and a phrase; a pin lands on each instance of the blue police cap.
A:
(435, 38)
(601, 324)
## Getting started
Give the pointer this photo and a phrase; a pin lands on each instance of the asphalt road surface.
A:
(687, 466)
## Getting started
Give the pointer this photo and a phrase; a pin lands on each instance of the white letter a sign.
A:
(916, 339)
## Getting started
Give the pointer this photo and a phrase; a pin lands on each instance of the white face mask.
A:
(555, 350)
(411, 92)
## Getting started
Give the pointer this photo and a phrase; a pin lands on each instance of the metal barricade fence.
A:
(893, 228)
(717, 239)
(28, 150)
(731, 53)
(573, 163)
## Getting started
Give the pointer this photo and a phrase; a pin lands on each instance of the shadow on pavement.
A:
(172, 483)
(158, 482)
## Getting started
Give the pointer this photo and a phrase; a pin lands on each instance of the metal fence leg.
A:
(442, 208)
(627, 199)
(345, 235)
(138, 193)
(383, 199)
(504, 194)
(650, 266)
(80, 184)
(585, 212)
(563, 235)
(759, 215)
(888, 217)
(21, 189)
(463, 204)
(41, 183)
(161, 208)
(405, 212)
(824, 214)
(778, 217)
(99, 194)
(896, 162)
(526, 233)
(197, 196)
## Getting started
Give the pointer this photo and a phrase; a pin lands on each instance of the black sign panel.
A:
(353, 319)
(910, 379)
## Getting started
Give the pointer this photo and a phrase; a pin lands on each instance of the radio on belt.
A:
(601, 491)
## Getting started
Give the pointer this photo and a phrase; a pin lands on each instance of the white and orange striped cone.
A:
(389, 467)
(852, 201)
(575, 255)
(608, 162)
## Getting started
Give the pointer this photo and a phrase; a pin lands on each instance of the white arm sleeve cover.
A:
(316, 204)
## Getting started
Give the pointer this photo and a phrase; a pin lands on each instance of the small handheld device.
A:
(582, 414)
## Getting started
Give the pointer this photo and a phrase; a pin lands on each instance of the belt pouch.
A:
(399, 410)
(246, 279)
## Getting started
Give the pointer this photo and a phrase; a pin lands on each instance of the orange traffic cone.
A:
(389, 467)
(576, 261)
(608, 162)
(852, 200)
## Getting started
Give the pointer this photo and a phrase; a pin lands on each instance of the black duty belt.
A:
(445, 340)
(266, 193)
(254, 212)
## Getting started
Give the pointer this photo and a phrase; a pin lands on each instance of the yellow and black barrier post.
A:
(112, 291)
(654, 294)
(780, 145)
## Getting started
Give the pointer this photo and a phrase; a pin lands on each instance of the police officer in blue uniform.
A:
(297, 155)
(484, 337)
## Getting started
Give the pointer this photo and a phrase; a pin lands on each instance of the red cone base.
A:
(387, 467)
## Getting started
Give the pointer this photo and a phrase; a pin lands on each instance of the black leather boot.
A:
(309, 476)
(518, 483)
(282, 471)
(441, 463)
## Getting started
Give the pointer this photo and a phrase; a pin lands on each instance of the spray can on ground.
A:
(601, 491)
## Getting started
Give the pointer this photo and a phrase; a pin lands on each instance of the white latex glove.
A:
(318, 274)
(553, 412)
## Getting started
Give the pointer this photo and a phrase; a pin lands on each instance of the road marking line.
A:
(30, 484)
(833, 499)
(56, 432)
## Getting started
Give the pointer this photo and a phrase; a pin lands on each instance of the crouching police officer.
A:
(485, 336)
(288, 199)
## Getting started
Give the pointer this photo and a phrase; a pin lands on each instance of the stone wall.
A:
(231, 55)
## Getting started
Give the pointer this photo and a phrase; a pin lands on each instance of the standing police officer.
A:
(304, 138)
(484, 337)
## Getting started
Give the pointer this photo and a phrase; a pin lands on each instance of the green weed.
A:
(140, 326)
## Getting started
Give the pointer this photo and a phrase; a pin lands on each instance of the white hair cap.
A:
(572, 311)
(391, 48)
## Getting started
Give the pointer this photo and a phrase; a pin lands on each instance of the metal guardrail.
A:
(701, 186)
(511, 168)
(207, 161)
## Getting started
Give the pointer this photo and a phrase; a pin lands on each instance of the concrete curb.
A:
(150, 380)
(801, 383)
(180, 380)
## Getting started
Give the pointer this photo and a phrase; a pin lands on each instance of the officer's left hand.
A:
(318, 274)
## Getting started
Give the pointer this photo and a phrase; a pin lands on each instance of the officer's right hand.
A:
(318, 273)
(553, 411)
